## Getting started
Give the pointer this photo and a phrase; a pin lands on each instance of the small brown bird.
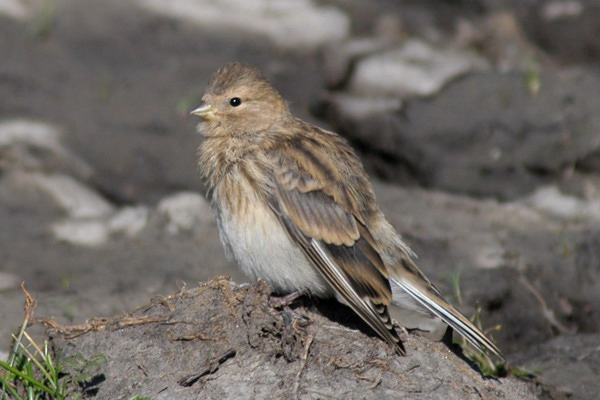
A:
(295, 208)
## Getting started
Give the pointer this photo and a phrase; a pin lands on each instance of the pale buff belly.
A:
(257, 241)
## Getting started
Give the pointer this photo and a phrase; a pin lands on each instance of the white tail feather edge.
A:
(465, 328)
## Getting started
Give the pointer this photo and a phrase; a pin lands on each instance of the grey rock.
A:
(485, 135)
(16, 9)
(292, 24)
(37, 146)
(129, 220)
(570, 363)
(413, 68)
(185, 211)
(550, 199)
(75, 198)
(9, 281)
(81, 232)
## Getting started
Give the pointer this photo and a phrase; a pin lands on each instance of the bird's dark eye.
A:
(235, 101)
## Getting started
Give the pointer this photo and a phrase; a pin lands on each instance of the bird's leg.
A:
(285, 301)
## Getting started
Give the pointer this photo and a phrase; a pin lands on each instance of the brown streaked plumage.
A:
(295, 207)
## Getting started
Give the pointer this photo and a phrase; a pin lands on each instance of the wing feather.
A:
(338, 245)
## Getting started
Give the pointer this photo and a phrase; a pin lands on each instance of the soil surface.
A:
(223, 341)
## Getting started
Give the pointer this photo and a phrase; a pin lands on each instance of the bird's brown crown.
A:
(241, 79)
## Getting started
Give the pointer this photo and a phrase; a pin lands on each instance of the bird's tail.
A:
(433, 302)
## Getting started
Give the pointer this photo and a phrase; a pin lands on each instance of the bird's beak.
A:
(205, 111)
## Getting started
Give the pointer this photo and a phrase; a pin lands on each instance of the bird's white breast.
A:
(257, 241)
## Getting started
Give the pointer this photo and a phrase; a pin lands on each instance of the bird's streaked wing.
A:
(337, 243)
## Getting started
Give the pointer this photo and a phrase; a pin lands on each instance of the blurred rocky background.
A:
(478, 120)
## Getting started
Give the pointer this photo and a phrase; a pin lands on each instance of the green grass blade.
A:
(27, 378)
(7, 387)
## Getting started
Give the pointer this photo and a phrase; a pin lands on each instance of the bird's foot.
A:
(285, 301)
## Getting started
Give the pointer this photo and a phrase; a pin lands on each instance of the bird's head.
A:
(239, 101)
